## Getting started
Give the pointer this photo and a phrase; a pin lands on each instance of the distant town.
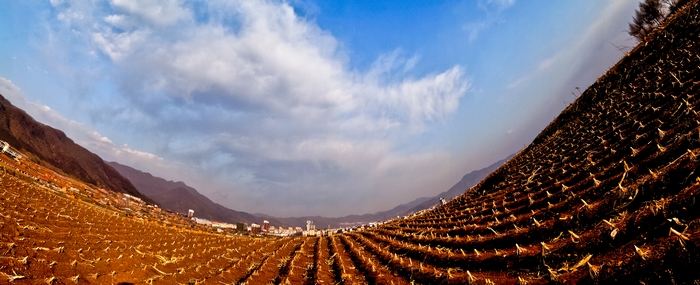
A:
(130, 205)
(266, 229)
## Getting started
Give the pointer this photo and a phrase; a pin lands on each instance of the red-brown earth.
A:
(606, 194)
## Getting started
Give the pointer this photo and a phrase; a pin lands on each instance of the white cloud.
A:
(158, 12)
(56, 2)
(474, 29)
(70, 15)
(411, 63)
(276, 61)
(120, 21)
(119, 45)
(263, 101)
(9, 90)
(79, 132)
(502, 4)
(427, 98)
(493, 9)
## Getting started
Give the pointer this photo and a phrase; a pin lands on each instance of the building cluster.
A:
(9, 150)
(264, 228)
(254, 229)
(15, 163)
(281, 231)
(12, 158)
(134, 206)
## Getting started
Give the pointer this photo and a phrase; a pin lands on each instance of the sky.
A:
(305, 107)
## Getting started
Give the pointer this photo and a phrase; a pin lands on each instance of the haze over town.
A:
(306, 107)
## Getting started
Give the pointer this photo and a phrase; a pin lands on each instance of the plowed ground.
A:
(606, 194)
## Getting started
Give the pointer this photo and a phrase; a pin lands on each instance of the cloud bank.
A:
(260, 105)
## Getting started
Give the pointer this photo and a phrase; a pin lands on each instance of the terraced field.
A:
(606, 194)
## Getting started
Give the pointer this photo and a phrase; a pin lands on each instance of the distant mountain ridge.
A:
(53, 147)
(467, 181)
(179, 197)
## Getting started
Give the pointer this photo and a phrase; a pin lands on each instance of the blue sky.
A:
(305, 107)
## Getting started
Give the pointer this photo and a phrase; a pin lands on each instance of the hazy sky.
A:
(305, 107)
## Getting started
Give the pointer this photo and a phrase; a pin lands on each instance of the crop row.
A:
(605, 193)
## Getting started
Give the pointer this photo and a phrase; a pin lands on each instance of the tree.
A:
(675, 5)
(646, 18)
(651, 14)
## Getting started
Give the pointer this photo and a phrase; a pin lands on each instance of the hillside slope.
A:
(178, 197)
(53, 147)
(606, 194)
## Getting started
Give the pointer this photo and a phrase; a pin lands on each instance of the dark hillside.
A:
(53, 147)
(606, 194)
(178, 197)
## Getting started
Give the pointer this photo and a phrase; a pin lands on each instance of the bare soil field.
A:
(606, 194)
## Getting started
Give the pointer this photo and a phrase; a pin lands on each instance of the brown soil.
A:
(606, 194)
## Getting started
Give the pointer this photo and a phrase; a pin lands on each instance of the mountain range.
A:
(179, 197)
(52, 148)
(467, 181)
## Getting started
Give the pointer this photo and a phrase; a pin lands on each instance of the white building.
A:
(223, 225)
(11, 152)
(137, 199)
(202, 221)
